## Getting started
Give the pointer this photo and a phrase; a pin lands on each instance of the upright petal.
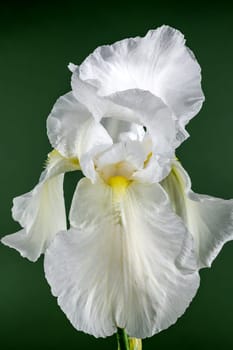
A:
(72, 129)
(161, 129)
(127, 262)
(159, 62)
(135, 107)
(151, 112)
(41, 212)
(121, 130)
(209, 219)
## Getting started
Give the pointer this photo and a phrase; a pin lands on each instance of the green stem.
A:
(122, 339)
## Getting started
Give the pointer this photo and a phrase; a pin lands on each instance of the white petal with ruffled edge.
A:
(151, 112)
(134, 106)
(209, 219)
(127, 262)
(161, 131)
(130, 108)
(42, 211)
(159, 62)
(72, 129)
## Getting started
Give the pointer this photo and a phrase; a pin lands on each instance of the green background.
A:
(36, 44)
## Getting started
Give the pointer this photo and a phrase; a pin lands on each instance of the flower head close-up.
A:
(127, 260)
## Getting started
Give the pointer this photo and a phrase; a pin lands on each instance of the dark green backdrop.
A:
(36, 44)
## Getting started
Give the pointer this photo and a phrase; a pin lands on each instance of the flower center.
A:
(119, 185)
(122, 169)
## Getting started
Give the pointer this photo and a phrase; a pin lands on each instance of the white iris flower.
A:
(138, 235)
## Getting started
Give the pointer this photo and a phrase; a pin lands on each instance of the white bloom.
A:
(131, 256)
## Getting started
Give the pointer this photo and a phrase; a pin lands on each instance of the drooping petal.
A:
(159, 62)
(127, 262)
(72, 129)
(209, 219)
(41, 212)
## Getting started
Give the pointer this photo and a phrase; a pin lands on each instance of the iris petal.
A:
(126, 262)
(72, 130)
(41, 212)
(159, 62)
(209, 219)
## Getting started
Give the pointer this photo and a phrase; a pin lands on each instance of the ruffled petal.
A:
(159, 62)
(209, 219)
(161, 130)
(135, 107)
(117, 120)
(127, 262)
(72, 129)
(151, 112)
(41, 212)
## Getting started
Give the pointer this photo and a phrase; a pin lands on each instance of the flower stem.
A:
(127, 343)
(122, 339)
